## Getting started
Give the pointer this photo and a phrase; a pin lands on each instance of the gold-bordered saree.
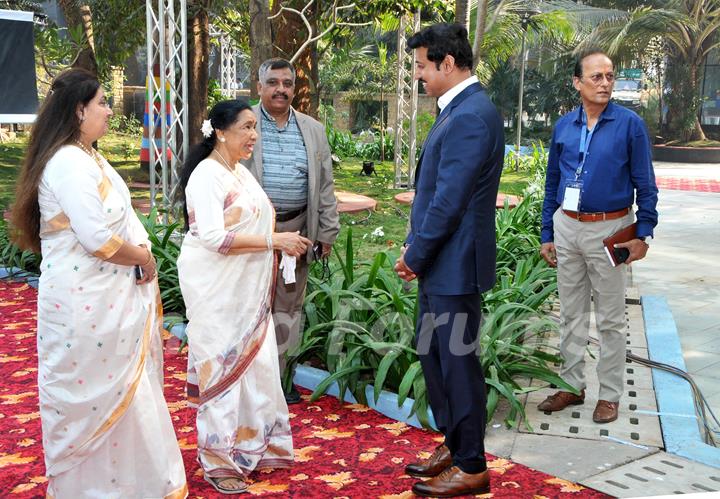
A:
(107, 431)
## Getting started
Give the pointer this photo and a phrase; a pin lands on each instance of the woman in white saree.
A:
(226, 270)
(107, 431)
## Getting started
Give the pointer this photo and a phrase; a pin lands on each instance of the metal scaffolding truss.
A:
(167, 95)
(407, 103)
(228, 62)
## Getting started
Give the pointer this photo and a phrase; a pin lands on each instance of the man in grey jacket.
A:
(292, 163)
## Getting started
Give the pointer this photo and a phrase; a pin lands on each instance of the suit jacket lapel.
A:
(313, 158)
(475, 87)
(255, 164)
(439, 121)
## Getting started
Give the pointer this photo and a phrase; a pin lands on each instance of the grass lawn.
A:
(390, 217)
(11, 154)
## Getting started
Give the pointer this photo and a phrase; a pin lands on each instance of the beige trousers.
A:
(584, 270)
(288, 303)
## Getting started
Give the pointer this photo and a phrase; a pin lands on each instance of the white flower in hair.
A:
(206, 128)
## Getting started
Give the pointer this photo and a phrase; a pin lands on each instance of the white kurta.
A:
(233, 373)
(107, 431)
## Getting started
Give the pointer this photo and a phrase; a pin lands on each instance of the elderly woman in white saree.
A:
(107, 431)
(226, 270)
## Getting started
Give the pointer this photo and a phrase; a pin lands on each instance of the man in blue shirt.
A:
(599, 164)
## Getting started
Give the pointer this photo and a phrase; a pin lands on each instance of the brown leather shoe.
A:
(605, 412)
(454, 482)
(560, 400)
(432, 466)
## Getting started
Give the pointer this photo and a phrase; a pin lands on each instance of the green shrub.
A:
(343, 144)
(360, 324)
(125, 125)
(12, 257)
(166, 240)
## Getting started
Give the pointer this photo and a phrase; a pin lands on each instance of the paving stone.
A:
(632, 295)
(573, 459)
(637, 422)
(500, 440)
(657, 474)
(637, 377)
(632, 426)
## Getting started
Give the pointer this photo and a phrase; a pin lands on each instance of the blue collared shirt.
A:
(285, 162)
(617, 171)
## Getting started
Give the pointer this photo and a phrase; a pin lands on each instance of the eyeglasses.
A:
(597, 78)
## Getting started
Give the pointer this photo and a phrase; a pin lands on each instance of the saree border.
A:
(243, 363)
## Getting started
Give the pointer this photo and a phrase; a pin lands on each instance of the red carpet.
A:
(688, 184)
(342, 450)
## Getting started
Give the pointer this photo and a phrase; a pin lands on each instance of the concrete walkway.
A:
(683, 265)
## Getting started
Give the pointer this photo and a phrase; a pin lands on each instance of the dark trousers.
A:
(447, 339)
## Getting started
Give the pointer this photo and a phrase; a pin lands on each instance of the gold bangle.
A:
(149, 258)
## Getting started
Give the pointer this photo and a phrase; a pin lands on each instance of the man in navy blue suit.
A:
(451, 250)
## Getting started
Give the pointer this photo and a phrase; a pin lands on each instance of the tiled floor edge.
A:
(14, 272)
(387, 404)
(674, 395)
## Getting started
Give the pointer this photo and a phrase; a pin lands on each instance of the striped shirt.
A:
(285, 163)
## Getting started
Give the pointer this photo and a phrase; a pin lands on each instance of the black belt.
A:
(284, 216)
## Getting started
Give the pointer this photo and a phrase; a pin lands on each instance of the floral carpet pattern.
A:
(342, 450)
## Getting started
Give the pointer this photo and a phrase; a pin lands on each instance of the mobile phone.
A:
(317, 250)
(621, 254)
(138, 272)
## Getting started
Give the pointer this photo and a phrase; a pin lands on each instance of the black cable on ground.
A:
(702, 408)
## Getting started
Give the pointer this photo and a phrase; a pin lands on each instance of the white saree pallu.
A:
(106, 428)
(233, 372)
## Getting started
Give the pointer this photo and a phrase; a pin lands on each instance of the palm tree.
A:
(689, 30)
(79, 15)
(462, 13)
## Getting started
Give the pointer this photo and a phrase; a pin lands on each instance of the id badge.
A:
(571, 200)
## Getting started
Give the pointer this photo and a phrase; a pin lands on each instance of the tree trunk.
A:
(198, 70)
(684, 100)
(80, 15)
(290, 34)
(260, 40)
(482, 8)
(462, 13)
(697, 131)
(382, 122)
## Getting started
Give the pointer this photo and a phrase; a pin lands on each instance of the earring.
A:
(221, 139)
(82, 118)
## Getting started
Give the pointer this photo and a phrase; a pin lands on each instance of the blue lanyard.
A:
(585, 139)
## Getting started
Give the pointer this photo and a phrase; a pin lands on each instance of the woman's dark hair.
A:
(444, 39)
(56, 125)
(222, 116)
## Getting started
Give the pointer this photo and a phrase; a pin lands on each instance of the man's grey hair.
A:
(275, 63)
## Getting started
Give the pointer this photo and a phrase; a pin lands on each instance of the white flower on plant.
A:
(206, 128)
(378, 232)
